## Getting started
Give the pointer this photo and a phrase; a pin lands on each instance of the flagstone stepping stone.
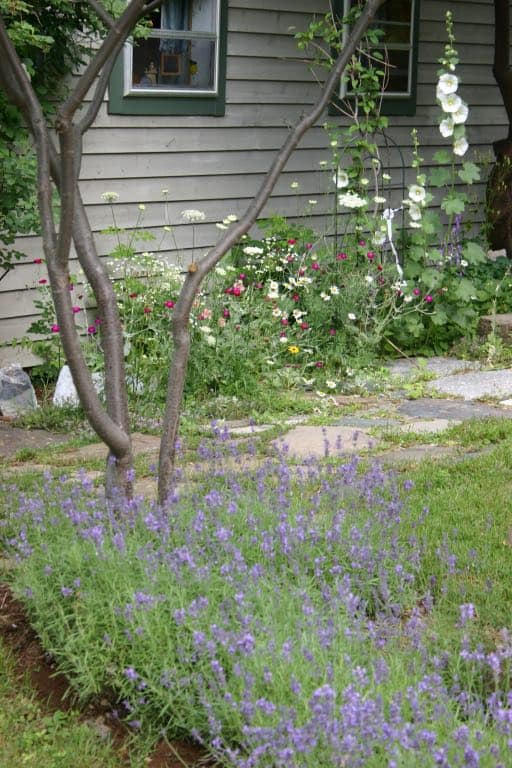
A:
(321, 441)
(456, 410)
(438, 366)
(432, 426)
(475, 386)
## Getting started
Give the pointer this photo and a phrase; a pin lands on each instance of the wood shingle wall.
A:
(215, 164)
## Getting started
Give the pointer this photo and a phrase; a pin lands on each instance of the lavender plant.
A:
(281, 615)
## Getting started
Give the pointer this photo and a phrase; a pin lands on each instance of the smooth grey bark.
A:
(198, 271)
(62, 165)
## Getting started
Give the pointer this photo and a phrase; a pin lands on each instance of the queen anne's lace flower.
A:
(192, 215)
(351, 200)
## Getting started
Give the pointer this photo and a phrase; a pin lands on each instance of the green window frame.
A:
(400, 101)
(156, 98)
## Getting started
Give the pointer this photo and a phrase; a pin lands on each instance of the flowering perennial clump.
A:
(275, 614)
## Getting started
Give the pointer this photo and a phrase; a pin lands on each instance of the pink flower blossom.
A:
(226, 313)
(309, 246)
(38, 261)
(132, 295)
(54, 328)
(304, 326)
(416, 291)
(291, 241)
(428, 298)
(75, 310)
(284, 321)
(296, 297)
(43, 281)
(319, 364)
(169, 304)
(315, 265)
(332, 331)
(147, 310)
(341, 256)
(91, 330)
(370, 255)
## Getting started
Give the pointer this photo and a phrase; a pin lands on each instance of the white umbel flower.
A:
(192, 215)
(351, 200)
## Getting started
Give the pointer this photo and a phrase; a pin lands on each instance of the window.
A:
(179, 69)
(398, 20)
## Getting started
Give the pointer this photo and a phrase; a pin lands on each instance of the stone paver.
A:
(439, 366)
(457, 410)
(475, 386)
(433, 426)
(308, 441)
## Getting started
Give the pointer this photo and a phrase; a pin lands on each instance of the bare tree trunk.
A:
(63, 166)
(198, 271)
(499, 185)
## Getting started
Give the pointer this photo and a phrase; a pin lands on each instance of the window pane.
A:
(186, 15)
(174, 64)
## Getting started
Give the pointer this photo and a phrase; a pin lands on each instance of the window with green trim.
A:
(179, 68)
(399, 22)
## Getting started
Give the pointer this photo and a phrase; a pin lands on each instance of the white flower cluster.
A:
(416, 200)
(192, 215)
(455, 112)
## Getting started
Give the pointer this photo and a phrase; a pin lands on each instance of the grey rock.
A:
(309, 441)
(438, 366)
(65, 390)
(456, 410)
(475, 386)
(17, 394)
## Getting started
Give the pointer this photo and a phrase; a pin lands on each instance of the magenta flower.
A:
(91, 330)
(291, 241)
(370, 255)
(429, 298)
(284, 321)
(54, 328)
(38, 261)
(169, 304)
(332, 331)
(147, 310)
(341, 256)
(319, 364)
(43, 281)
(75, 310)
(226, 313)
(416, 291)
(315, 265)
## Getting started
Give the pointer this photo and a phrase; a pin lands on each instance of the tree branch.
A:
(197, 272)
(102, 13)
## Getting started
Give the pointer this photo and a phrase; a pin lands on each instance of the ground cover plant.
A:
(281, 615)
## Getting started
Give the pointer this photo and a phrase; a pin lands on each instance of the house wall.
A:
(215, 164)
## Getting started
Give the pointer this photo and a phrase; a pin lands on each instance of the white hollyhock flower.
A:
(341, 179)
(461, 115)
(446, 127)
(417, 194)
(351, 200)
(450, 103)
(460, 146)
(447, 84)
(414, 212)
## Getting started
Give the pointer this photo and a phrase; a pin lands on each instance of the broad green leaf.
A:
(474, 253)
(453, 204)
(431, 222)
(469, 172)
(443, 157)
(439, 177)
(431, 278)
(465, 289)
(439, 317)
